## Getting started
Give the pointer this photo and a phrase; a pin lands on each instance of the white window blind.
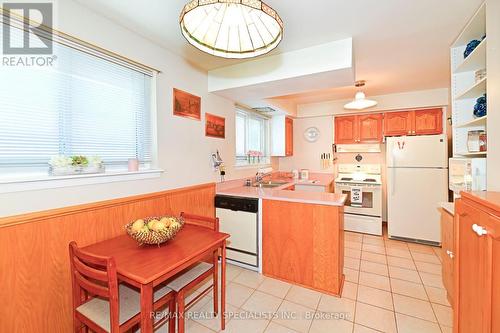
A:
(82, 105)
(252, 134)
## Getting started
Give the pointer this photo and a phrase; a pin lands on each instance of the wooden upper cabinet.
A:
(418, 122)
(427, 122)
(281, 136)
(370, 128)
(359, 129)
(288, 136)
(345, 130)
(398, 123)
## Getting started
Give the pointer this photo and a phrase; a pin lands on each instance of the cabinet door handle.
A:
(450, 254)
(480, 231)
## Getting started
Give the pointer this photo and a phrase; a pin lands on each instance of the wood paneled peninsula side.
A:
(302, 235)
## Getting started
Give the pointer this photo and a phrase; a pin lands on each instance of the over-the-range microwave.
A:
(467, 174)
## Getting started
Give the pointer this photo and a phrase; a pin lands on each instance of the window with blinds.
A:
(252, 136)
(85, 104)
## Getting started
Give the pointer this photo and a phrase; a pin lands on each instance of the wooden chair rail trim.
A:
(59, 212)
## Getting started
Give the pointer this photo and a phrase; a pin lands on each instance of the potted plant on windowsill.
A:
(254, 156)
(75, 165)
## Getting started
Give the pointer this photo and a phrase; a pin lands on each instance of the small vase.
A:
(480, 109)
(471, 47)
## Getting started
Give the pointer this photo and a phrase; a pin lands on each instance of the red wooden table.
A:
(147, 266)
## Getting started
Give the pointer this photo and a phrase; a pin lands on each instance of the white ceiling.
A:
(399, 45)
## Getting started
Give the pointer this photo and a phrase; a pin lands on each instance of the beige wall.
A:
(306, 155)
(493, 65)
(184, 151)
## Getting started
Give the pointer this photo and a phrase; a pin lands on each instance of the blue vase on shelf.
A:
(480, 109)
(471, 47)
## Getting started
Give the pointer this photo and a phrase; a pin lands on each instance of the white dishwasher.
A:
(239, 218)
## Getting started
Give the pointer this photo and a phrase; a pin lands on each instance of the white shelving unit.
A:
(476, 90)
(465, 89)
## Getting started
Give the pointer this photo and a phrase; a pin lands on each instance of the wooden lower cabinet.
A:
(447, 251)
(477, 264)
(304, 244)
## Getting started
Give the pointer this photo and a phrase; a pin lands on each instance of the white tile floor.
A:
(390, 286)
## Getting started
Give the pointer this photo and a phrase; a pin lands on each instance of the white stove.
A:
(362, 183)
(359, 174)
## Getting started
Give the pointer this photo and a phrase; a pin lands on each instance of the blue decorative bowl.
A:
(471, 47)
(480, 109)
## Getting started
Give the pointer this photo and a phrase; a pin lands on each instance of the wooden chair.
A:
(196, 274)
(101, 304)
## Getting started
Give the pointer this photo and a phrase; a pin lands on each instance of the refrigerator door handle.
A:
(393, 170)
(393, 183)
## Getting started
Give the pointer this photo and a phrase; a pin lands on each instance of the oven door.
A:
(371, 202)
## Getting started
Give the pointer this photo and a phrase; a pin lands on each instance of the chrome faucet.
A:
(259, 176)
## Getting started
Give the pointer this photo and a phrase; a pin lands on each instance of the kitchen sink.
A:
(269, 184)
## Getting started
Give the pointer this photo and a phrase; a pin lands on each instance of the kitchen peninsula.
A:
(301, 231)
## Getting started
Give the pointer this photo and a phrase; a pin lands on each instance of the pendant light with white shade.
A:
(360, 102)
(231, 28)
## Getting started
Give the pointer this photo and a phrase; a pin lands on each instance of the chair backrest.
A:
(94, 276)
(202, 221)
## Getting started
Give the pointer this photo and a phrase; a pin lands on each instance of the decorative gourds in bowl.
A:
(154, 230)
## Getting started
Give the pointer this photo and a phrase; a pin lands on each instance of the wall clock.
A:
(311, 134)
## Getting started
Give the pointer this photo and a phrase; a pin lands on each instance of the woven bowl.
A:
(155, 237)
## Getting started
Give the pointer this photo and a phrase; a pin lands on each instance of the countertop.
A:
(486, 198)
(237, 188)
(448, 206)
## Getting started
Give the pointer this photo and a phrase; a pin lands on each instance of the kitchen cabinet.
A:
(477, 263)
(358, 129)
(370, 128)
(345, 130)
(418, 122)
(427, 122)
(281, 136)
(397, 123)
(288, 136)
(447, 251)
(303, 244)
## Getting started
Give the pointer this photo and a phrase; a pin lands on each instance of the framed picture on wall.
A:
(187, 105)
(215, 126)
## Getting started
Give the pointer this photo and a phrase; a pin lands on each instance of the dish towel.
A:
(356, 195)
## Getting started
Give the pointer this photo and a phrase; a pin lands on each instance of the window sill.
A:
(252, 166)
(42, 182)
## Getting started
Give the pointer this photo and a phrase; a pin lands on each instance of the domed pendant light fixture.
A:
(360, 102)
(231, 28)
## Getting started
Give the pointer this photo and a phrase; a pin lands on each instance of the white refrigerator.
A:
(417, 181)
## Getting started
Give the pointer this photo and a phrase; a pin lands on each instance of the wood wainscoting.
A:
(304, 244)
(35, 282)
